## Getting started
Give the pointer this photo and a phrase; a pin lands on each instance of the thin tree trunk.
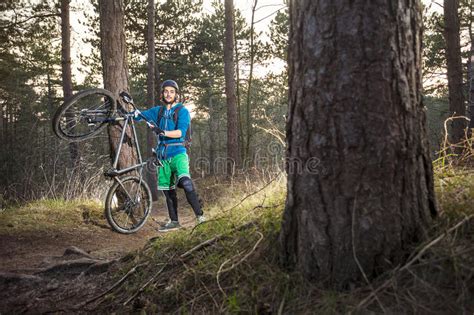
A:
(237, 92)
(157, 81)
(115, 67)
(66, 49)
(233, 157)
(360, 181)
(249, 87)
(471, 67)
(454, 63)
(150, 136)
(212, 133)
(3, 123)
(66, 69)
(51, 109)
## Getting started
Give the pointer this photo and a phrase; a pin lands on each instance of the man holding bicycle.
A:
(171, 122)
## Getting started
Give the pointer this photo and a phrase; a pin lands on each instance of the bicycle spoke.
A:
(84, 114)
(129, 206)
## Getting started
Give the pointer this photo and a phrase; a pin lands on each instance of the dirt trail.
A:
(57, 270)
(30, 252)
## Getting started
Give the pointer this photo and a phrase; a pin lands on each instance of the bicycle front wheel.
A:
(84, 114)
(128, 204)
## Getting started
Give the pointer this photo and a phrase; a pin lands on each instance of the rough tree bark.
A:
(360, 181)
(115, 67)
(66, 68)
(150, 85)
(233, 156)
(454, 63)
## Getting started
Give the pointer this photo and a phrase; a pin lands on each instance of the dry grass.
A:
(231, 263)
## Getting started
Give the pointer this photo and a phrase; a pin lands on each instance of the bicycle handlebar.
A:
(127, 98)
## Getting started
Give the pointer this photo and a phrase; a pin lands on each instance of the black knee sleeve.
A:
(191, 195)
(186, 183)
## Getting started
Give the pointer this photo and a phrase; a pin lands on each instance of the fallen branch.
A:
(216, 238)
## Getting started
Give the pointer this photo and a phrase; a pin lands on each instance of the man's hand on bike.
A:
(126, 97)
(128, 100)
(157, 130)
(136, 113)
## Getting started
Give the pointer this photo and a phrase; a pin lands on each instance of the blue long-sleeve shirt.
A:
(168, 147)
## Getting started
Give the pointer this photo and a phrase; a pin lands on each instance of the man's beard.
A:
(166, 102)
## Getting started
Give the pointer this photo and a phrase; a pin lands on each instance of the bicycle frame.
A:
(114, 172)
(127, 120)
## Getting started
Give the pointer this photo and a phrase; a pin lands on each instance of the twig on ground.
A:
(245, 257)
(435, 241)
(188, 302)
(145, 285)
(222, 270)
(202, 245)
(215, 239)
(209, 292)
(218, 276)
(412, 261)
(115, 285)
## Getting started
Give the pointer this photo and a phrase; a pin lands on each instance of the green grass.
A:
(48, 214)
(455, 192)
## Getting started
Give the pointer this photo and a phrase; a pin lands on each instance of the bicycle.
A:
(128, 202)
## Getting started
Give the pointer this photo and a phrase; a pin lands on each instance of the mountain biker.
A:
(171, 122)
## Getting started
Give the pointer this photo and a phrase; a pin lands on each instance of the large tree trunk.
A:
(150, 85)
(66, 68)
(453, 60)
(233, 157)
(115, 67)
(360, 181)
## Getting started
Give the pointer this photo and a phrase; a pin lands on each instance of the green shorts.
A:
(172, 170)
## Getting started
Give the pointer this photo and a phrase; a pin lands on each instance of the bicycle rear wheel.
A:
(84, 114)
(128, 204)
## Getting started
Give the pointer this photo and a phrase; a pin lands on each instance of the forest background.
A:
(371, 195)
(189, 37)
